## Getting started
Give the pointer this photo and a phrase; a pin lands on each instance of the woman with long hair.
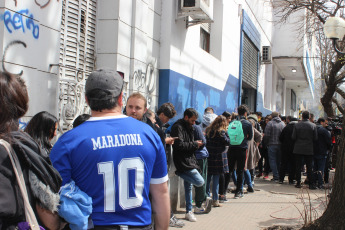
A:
(217, 144)
(42, 128)
(224, 179)
(41, 181)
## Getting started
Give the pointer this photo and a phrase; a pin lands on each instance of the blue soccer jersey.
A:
(113, 160)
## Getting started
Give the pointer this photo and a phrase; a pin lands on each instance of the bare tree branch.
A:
(341, 109)
(340, 92)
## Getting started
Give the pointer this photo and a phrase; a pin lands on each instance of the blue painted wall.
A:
(184, 92)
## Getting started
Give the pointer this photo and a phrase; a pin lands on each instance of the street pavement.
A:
(271, 204)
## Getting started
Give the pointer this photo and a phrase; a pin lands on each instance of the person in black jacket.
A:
(41, 180)
(321, 148)
(184, 158)
(237, 153)
(166, 112)
(288, 160)
(304, 134)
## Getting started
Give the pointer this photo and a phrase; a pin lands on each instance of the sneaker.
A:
(208, 204)
(266, 177)
(298, 185)
(216, 203)
(250, 189)
(259, 175)
(190, 216)
(174, 222)
(281, 182)
(222, 199)
(200, 210)
(238, 194)
(275, 180)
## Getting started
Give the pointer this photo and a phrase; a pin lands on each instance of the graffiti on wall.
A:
(24, 50)
(13, 43)
(15, 21)
(22, 124)
(71, 98)
(145, 81)
(22, 21)
(42, 3)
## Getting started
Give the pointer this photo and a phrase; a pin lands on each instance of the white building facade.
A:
(231, 54)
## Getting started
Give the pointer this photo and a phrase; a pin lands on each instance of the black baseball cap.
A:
(105, 79)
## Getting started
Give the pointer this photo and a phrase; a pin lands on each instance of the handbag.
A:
(29, 213)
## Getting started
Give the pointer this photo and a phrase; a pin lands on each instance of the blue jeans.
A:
(319, 168)
(191, 177)
(247, 178)
(274, 156)
(215, 186)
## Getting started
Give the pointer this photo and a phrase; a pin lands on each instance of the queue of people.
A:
(110, 171)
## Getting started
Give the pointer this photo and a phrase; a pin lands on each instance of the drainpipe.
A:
(284, 99)
(240, 69)
(132, 49)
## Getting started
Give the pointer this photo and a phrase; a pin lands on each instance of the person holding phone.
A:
(184, 156)
(166, 112)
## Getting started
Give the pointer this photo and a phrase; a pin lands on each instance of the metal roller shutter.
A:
(250, 63)
(77, 57)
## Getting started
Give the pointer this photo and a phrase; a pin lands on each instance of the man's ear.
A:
(145, 110)
(119, 100)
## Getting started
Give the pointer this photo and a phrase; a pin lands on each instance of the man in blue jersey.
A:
(116, 160)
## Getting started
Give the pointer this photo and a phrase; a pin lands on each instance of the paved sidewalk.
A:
(270, 204)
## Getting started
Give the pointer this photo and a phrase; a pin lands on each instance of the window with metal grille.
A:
(77, 57)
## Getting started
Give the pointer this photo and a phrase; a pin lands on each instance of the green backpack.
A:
(235, 132)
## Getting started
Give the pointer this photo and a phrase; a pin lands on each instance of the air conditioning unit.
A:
(198, 10)
(266, 54)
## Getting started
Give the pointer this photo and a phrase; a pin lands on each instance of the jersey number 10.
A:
(125, 201)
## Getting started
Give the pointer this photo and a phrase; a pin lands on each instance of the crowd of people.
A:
(110, 171)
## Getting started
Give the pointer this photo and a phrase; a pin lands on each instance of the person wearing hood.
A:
(272, 133)
(208, 118)
(288, 160)
(255, 118)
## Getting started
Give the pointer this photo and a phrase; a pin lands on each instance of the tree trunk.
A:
(326, 100)
(334, 215)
